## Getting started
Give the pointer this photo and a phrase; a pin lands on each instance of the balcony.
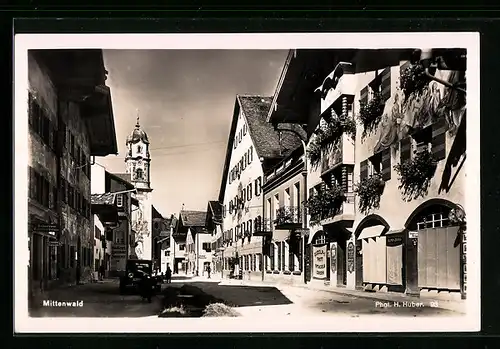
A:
(288, 217)
(342, 153)
(262, 226)
(345, 212)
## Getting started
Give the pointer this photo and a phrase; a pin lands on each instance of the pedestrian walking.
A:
(208, 271)
(168, 274)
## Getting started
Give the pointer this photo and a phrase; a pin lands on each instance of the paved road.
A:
(104, 300)
(287, 300)
(99, 300)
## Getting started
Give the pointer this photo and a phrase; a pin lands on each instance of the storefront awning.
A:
(373, 231)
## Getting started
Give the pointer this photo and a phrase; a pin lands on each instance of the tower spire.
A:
(137, 123)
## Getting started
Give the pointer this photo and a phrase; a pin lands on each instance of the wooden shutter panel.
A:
(439, 140)
(363, 99)
(385, 85)
(386, 164)
(405, 149)
(363, 170)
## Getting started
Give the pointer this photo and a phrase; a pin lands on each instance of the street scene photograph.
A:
(248, 185)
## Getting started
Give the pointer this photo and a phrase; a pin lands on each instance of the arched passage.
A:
(435, 254)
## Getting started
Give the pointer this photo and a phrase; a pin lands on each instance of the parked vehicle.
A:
(136, 271)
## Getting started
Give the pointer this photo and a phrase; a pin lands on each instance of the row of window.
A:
(68, 257)
(239, 135)
(278, 256)
(245, 195)
(41, 189)
(72, 196)
(240, 231)
(248, 262)
(245, 160)
(43, 125)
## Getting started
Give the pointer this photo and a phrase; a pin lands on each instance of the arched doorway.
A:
(437, 241)
(371, 253)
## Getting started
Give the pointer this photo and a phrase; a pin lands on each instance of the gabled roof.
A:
(193, 218)
(265, 139)
(215, 208)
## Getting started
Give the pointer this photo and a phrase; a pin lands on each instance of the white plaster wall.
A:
(98, 182)
(253, 208)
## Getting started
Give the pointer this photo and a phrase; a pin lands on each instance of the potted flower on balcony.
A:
(369, 191)
(325, 203)
(413, 80)
(415, 175)
(284, 215)
(314, 153)
(335, 128)
(370, 113)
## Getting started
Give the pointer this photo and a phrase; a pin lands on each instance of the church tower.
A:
(138, 157)
(138, 162)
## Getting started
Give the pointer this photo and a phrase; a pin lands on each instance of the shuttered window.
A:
(258, 186)
(363, 170)
(405, 153)
(385, 84)
(363, 99)
(250, 155)
(386, 164)
(439, 140)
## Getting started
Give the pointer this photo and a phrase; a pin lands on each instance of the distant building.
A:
(166, 243)
(191, 237)
(213, 226)
(113, 205)
(70, 121)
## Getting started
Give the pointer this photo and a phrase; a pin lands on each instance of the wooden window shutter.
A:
(439, 140)
(251, 154)
(363, 99)
(363, 170)
(405, 149)
(386, 164)
(385, 84)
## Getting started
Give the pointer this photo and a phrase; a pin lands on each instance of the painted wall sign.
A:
(350, 257)
(333, 257)
(319, 262)
(394, 240)
(413, 234)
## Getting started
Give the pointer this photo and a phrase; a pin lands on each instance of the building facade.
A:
(138, 161)
(184, 249)
(213, 225)
(66, 107)
(283, 214)
(252, 147)
(385, 179)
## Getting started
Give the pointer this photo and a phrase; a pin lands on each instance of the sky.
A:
(185, 101)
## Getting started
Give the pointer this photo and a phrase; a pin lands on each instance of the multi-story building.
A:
(184, 247)
(385, 158)
(213, 226)
(198, 244)
(113, 200)
(70, 121)
(253, 146)
(283, 215)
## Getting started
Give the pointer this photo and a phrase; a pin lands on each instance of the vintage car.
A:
(136, 271)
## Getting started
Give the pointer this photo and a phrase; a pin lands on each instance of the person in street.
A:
(208, 271)
(168, 275)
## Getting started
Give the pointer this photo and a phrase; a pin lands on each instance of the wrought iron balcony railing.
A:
(261, 225)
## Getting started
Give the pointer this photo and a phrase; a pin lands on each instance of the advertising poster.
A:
(319, 262)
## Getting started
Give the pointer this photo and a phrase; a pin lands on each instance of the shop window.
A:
(283, 255)
(271, 255)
